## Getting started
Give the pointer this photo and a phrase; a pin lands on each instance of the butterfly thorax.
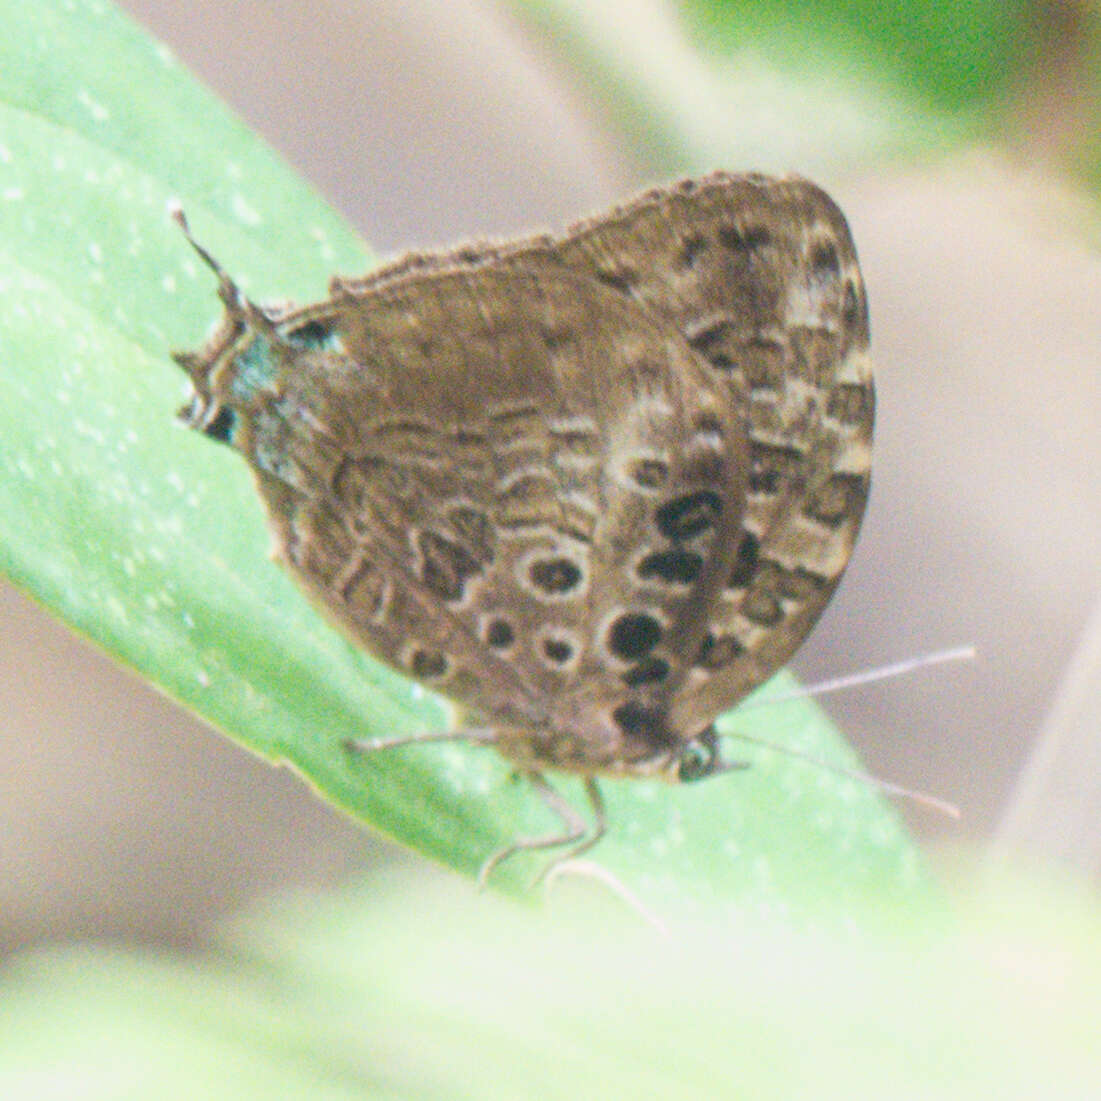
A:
(637, 743)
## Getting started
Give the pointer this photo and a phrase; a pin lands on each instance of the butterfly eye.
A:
(221, 425)
(699, 758)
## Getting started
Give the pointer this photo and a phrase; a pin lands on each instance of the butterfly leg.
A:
(577, 832)
(475, 735)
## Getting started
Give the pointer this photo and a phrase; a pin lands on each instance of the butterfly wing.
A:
(595, 487)
(500, 478)
(761, 279)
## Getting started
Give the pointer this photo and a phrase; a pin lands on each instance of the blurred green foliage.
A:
(952, 54)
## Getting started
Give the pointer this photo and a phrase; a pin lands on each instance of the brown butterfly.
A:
(595, 487)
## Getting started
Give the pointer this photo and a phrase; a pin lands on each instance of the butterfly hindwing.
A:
(760, 277)
(506, 483)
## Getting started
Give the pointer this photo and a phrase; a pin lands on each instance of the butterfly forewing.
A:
(760, 277)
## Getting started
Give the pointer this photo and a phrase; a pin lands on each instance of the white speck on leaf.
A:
(328, 253)
(243, 212)
(97, 110)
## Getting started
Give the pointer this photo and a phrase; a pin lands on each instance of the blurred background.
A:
(428, 121)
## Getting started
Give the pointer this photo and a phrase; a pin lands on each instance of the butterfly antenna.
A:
(228, 290)
(888, 787)
(868, 676)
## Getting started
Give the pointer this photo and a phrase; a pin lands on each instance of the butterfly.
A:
(593, 487)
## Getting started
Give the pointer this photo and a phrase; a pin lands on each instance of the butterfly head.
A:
(213, 409)
(699, 758)
(252, 378)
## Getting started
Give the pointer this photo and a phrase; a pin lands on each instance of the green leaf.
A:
(150, 540)
(948, 54)
(412, 986)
